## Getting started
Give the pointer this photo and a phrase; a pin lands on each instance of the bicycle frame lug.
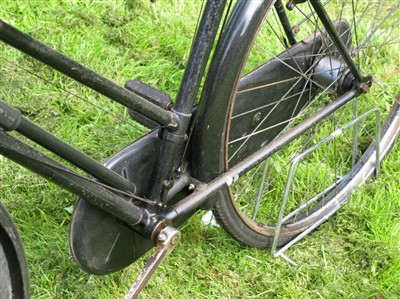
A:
(10, 117)
(167, 239)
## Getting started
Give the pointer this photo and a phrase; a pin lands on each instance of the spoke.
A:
(280, 28)
(267, 105)
(247, 182)
(255, 132)
(354, 24)
(371, 26)
(269, 85)
(380, 85)
(286, 49)
(260, 189)
(369, 37)
(117, 118)
(289, 121)
(298, 71)
(319, 174)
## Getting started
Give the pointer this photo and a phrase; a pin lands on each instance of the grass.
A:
(353, 255)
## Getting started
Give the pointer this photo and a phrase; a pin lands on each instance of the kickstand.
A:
(166, 242)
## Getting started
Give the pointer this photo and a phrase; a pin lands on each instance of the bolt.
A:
(191, 187)
(256, 118)
(174, 240)
(162, 237)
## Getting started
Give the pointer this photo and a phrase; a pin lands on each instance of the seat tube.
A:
(198, 58)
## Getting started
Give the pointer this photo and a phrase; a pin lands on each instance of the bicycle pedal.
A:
(166, 242)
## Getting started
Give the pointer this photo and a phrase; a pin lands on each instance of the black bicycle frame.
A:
(175, 123)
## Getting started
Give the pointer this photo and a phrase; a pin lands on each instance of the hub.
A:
(271, 95)
(332, 74)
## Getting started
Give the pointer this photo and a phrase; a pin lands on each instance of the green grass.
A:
(353, 255)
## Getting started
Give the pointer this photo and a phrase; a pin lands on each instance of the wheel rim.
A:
(256, 196)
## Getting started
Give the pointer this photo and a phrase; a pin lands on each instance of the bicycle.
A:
(182, 172)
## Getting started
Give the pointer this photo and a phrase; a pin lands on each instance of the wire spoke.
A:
(371, 27)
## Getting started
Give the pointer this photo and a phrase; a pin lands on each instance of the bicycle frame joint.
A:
(10, 117)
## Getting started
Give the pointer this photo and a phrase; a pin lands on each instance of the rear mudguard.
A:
(209, 131)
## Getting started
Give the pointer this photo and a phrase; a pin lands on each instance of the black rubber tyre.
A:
(5, 277)
(265, 99)
(14, 277)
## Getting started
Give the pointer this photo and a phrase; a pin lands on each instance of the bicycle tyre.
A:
(14, 276)
(231, 78)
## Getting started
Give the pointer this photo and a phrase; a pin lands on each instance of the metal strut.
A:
(166, 242)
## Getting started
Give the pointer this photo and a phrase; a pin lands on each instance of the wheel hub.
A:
(280, 88)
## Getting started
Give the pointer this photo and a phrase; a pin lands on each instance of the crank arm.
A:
(166, 242)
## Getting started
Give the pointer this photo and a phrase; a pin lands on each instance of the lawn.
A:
(355, 254)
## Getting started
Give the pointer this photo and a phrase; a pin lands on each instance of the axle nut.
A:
(363, 88)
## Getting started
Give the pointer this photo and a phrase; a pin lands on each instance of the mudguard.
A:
(99, 242)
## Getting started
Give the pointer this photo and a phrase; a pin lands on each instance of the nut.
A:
(256, 118)
(363, 88)
(162, 237)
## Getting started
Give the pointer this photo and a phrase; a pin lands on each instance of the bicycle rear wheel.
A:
(276, 87)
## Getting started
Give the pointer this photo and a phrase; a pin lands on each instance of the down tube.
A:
(57, 173)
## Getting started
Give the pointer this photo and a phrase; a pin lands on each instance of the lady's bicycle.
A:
(288, 124)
